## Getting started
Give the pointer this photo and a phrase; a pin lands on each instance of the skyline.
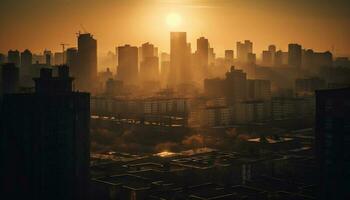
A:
(199, 18)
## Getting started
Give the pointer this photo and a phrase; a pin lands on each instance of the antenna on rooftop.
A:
(63, 50)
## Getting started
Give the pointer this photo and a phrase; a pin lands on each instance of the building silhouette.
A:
(59, 58)
(2, 58)
(229, 56)
(333, 143)
(202, 54)
(26, 59)
(294, 55)
(179, 59)
(9, 78)
(243, 49)
(86, 79)
(72, 60)
(149, 67)
(14, 57)
(45, 141)
(48, 57)
(235, 85)
(128, 64)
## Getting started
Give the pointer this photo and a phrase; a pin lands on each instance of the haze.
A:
(40, 24)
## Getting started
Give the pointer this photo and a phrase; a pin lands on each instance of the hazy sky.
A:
(40, 24)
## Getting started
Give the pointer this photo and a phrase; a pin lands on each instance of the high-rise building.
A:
(149, 67)
(59, 58)
(87, 54)
(202, 54)
(229, 56)
(72, 60)
(128, 64)
(235, 85)
(26, 59)
(212, 56)
(179, 63)
(9, 78)
(243, 49)
(45, 141)
(259, 90)
(294, 55)
(333, 143)
(13, 57)
(48, 57)
(278, 62)
(251, 59)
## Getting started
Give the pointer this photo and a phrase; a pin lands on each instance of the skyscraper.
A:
(26, 59)
(202, 54)
(73, 61)
(128, 64)
(235, 85)
(243, 49)
(294, 55)
(87, 54)
(333, 143)
(268, 57)
(48, 57)
(13, 57)
(179, 63)
(45, 141)
(149, 67)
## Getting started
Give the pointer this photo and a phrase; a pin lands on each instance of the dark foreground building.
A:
(333, 143)
(45, 141)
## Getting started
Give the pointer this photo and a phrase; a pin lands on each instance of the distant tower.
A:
(179, 63)
(26, 59)
(86, 79)
(243, 49)
(48, 57)
(202, 53)
(149, 67)
(72, 61)
(294, 55)
(128, 64)
(13, 57)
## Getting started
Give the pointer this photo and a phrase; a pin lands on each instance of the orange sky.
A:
(40, 24)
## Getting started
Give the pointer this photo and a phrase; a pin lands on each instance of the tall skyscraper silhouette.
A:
(179, 59)
(45, 141)
(86, 79)
(149, 68)
(128, 64)
(294, 55)
(14, 57)
(72, 60)
(235, 85)
(26, 59)
(243, 49)
(202, 54)
(48, 57)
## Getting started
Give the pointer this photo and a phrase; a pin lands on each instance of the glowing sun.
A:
(173, 20)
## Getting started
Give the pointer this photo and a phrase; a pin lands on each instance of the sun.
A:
(173, 20)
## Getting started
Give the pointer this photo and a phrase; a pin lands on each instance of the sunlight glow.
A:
(173, 20)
